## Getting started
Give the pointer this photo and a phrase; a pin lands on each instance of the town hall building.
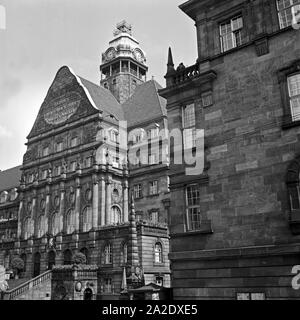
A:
(76, 190)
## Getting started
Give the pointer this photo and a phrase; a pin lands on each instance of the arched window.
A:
(124, 253)
(85, 251)
(68, 257)
(107, 254)
(158, 253)
(55, 223)
(13, 194)
(24, 258)
(27, 228)
(40, 226)
(116, 214)
(3, 196)
(70, 221)
(86, 219)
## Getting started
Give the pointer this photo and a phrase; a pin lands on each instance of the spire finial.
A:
(170, 64)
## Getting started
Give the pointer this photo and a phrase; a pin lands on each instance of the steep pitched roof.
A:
(103, 99)
(145, 104)
(10, 178)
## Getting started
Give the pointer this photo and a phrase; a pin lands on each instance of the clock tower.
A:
(123, 64)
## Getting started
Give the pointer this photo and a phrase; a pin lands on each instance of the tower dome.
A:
(123, 64)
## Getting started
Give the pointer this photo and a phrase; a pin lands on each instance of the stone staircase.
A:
(38, 288)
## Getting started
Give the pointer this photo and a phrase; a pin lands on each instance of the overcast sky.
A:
(43, 35)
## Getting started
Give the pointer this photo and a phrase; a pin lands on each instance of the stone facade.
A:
(247, 241)
(76, 184)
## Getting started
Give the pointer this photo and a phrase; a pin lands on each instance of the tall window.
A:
(107, 254)
(44, 174)
(58, 170)
(158, 253)
(116, 214)
(188, 124)
(152, 133)
(55, 223)
(46, 151)
(27, 228)
(294, 197)
(73, 166)
(230, 33)
(59, 146)
(70, 221)
(40, 226)
(294, 95)
(124, 253)
(137, 191)
(87, 219)
(152, 159)
(74, 142)
(193, 207)
(153, 187)
(288, 11)
(107, 285)
(114, 135)
(153, 216)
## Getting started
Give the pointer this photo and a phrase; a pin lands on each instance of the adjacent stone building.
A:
(234, 228)
(76, 182)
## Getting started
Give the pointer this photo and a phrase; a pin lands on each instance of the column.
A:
(34, 230)
(108, 200)
(62, 207)
(95, 202)
(47, 206)
(77, 204)
(125, 201)
(102, 200)
(20, 216)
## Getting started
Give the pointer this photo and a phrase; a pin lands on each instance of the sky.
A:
(40, 36)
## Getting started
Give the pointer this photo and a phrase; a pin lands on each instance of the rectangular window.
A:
(294, 198)
(44, 174)
(45, 151)
(108, 285)
(153, 187)
(114, 136)
(250, 296)
(74, 142)
(73, 166)
(152, 159)
(188, 124)
(152, 133)
(288, 12)
(230, 33)
(159, 281)
(137, 191)
(206, 99)
(59, 146)
(153, 216)
(88, 162)
(193, 207)
(58, 170)
(294, 95)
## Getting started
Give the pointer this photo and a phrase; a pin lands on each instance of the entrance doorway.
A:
(36, 264)
(88, 294)
(51, 259)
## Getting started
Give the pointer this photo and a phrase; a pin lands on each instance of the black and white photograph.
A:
(149, 151)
